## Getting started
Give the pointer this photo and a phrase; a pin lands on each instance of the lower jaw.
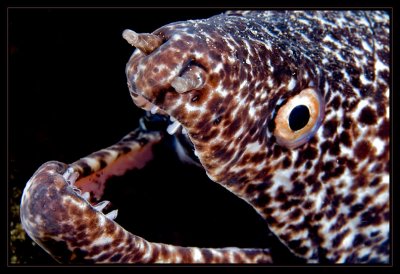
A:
(89, 235)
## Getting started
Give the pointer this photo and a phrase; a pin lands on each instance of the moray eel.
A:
(288, 110)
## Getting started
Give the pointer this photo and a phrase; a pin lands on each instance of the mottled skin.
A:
(327, 200)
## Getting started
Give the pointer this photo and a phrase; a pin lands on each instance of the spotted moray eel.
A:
(288, 110)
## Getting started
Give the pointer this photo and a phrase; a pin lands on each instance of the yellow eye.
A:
(299, 119)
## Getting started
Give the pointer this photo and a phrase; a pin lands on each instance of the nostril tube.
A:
(145, 42)
(191, 79)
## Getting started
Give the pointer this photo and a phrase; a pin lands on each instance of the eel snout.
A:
(164, 69)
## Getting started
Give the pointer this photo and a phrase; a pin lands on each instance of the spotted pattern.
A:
(327, 200)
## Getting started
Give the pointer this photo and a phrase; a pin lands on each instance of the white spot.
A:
(252, 111)
(253, 147)
(379, 145)
(197, 257)
(306, 22)
(328, 38)
(379, 66)
(191, 108)
(292, 84)
(360, 106)
(366, 46)
(94, 164)
(81, 204)
(102, 241)
(325, 61)
(364, 80)
(218, 68)
(270, 82)
(102, 220)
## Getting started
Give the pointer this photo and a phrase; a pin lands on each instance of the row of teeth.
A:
(172, 128)
(71, 176)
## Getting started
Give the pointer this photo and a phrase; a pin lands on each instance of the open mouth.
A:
(64, 207)
(68, 206)
(92, 187)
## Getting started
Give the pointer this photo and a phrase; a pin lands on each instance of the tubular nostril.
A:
(145, 42)
(191, 79)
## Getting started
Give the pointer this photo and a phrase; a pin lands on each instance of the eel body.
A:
(289, 110)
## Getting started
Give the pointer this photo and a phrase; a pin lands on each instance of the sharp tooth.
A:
(112, 215)
(154, 109)
(100, 206)
(184, 130)
(71, 175)
(172, 119)
(86, 195)
(173, 127)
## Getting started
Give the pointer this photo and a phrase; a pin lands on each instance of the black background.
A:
(67, 97)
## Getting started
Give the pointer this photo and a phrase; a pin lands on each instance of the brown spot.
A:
(345, 139)
(277, 151)
(359, 239)
(335, 148)
(366, 90)
(214, 104)
(371, 217)
(362, 150)
(367, 116)
(310, 153)
(336, 102)
(330, 128)
(294, 175)
(116, 257)
(291, 203)
(347, 122)
(375, 182)
(331, 213)
(355, 209)
(208, 256)
(384, 129)
(298, 189)
(339, 238)
(286, 162)
(281, 196)
(295, 214)
(110, 228)
(318, 216)
(262, 200)
(308, 204)
(349, 199)
(340, 222)
(257, 158)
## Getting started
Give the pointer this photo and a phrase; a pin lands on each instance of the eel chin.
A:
(62, 211)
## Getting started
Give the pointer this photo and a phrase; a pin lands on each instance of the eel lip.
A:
(51, 205)
(41, 211)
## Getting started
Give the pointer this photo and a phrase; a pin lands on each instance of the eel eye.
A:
(299, 119)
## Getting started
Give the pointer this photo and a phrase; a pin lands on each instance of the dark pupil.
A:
(299, 117)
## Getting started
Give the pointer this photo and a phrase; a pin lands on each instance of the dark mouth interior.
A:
(161, 122)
